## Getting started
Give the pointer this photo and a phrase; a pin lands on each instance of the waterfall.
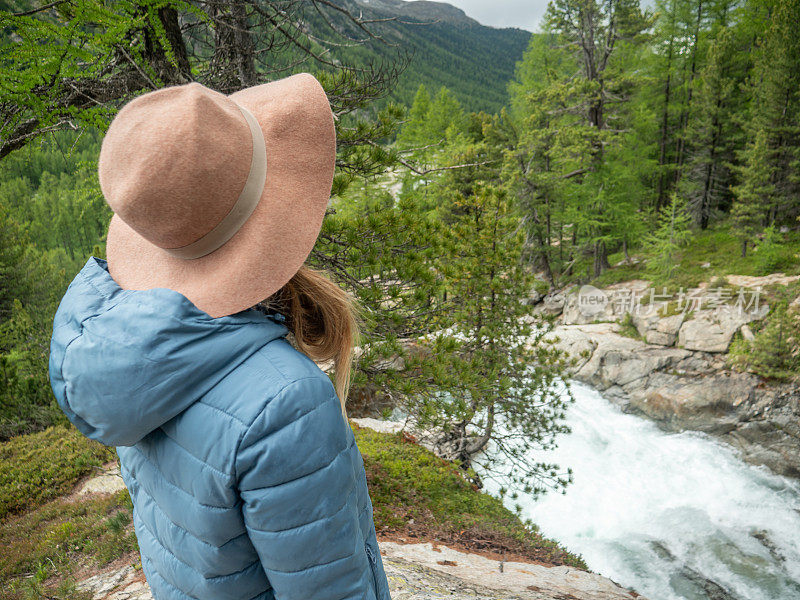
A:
(675, 516)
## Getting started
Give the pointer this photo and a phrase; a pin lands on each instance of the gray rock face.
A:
(578, 312)
(701, 330)
(588, 304)
(712, 331)
(553, 303)
(658, 329)
(420, 572)
(684, 389)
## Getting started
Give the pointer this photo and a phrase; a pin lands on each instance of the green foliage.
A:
(59, 539)
(51, 218)
(772, 254)
(772, 156)
(487, 356)
(607, 133)
(671, 235)
(26, 399)
(754, 195)
(628, 329)
(38, 467)
(773, 353)
(712, 135)
(68, 48)
(417, 493)
(581, 163)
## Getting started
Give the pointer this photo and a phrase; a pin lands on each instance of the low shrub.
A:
(38, 467)
(773, 353)
(44, 548)
(415, 493)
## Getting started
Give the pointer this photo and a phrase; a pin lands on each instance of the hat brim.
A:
(295, 117)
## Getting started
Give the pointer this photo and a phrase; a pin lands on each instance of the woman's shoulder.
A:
(298, 423)
(283, 384)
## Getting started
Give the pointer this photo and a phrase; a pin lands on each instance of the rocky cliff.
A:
(670, 365)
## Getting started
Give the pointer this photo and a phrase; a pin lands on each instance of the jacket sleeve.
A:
(299, 494)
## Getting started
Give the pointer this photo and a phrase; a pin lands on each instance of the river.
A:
(675, 516)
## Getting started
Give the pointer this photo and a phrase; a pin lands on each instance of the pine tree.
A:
(774, 351)
(445, 113)
(600, 35)
(671, 234)
(497, 396)
(754, 195)
(550, 152)
(414, 131)
(775, 112)
(712, 132)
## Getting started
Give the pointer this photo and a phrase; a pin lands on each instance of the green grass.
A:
(416, 493)
(38, 467)
(628, 329)
(44, 548)
(717, 248)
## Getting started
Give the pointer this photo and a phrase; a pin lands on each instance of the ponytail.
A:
(322, 318)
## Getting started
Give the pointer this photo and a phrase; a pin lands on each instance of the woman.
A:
(244, 474)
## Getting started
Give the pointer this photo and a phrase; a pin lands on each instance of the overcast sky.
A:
(524, 14)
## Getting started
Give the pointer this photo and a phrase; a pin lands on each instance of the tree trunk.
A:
(662, 158)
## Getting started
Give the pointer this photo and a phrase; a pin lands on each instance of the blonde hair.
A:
(323, 320)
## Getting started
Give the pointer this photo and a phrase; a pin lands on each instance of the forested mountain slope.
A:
(449, 49)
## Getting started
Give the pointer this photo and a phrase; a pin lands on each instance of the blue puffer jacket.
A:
(246, 481)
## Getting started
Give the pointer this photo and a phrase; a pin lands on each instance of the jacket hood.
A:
(124, 362)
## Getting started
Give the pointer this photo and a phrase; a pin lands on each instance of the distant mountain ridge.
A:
(422, 9)
(474, 61)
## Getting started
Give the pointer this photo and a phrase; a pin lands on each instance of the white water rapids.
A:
(675, 516)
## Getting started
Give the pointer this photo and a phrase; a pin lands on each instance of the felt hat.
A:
(220, 198)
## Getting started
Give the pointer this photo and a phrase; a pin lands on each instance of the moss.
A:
(43, 548)
(38, 467)
(628, 329)
(417, 493)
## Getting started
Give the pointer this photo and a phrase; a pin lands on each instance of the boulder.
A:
(553, 303)
(713, 330)
(710, 404)
(588, 305)
(657, 329)
(604, 358)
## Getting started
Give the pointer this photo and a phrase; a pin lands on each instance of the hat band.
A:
(244, 206)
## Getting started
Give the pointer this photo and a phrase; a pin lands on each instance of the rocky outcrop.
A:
(419, 572)
(713, 330)
(684, 320)
(687, 389)
(659, 330)
(107, 483)
(489, 578)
